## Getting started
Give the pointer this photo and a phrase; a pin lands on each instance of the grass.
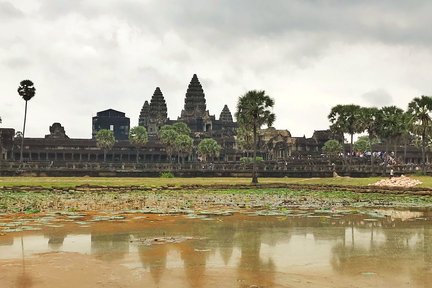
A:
(157, 182)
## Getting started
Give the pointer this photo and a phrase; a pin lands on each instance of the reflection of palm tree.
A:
(109, 247)
(155, 258)
(251, 267)
(27, 91)
(23, 280)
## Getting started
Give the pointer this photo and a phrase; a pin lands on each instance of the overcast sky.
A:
(309, 55)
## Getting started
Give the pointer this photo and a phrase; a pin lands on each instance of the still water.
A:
(384, 248)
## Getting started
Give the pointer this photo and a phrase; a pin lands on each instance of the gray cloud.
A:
(9, 11)
(378, 98)
(85, 56)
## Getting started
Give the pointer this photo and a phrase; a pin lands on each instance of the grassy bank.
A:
(158, 182)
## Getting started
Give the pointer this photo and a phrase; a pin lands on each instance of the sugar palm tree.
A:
(420, 110)
(369, 118)
(105, 140)
(138, 137)
(391, 126)
(254, 109)
(168, 136)
(27, 91)
(208, 148)
(183, 146)
(346, 119)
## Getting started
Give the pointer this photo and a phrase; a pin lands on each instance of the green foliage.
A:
(332, 148)
(254, 109)
(167, 175)
(105, 140)
(362, 144)
(420, 120)
(249, 160)
(244, 139)
(346, 119)
(183, 144)
(391, 123)
(168, 137)
(181, 128)
(208, 148)
(138, 136)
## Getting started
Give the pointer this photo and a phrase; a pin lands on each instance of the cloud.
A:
(8, 11)
(86, 56)
(378, 98)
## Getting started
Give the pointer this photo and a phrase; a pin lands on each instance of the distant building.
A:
(113, 120)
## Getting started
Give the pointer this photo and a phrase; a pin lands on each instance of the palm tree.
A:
(208, 148)
(105, 140)
(27, 91)
(138, 137)
(183, 146)
(254, 111)
(391, 126)
(370, 122)
(346, 119)
(332, 148)
(168, 136)
(420, 110)
(244, 140)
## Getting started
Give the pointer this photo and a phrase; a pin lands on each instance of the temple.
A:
(274, 144)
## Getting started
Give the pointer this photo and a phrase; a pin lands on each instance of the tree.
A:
(391, 126)
(244, 139)
(332, 148)
(138, 137)
(183, 146)
(105, 140)
(208, 148)
(346, 119)
(362, 145)
(27, 91)
(419, 111)
(254, 111)
(369, 119)
(168, 136)
(181, 128)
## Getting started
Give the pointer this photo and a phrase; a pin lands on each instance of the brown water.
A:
(300, 249)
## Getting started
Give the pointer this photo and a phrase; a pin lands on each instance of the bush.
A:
(249, 160)
(166, 175)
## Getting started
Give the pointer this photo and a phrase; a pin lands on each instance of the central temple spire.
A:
(195, 102)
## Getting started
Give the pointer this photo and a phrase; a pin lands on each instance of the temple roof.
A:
(158, 107)
(195, 102)
(226, 115)
(144, 114)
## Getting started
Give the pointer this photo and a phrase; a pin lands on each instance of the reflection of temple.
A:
(57, 146)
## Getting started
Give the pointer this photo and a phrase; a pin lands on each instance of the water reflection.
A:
(255, 250)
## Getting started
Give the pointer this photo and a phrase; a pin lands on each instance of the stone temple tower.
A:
(195, 102)
(194, 113)
(226, 116)
(154, 115)
(144, 115)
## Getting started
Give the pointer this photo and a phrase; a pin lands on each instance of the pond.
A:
(370, 248)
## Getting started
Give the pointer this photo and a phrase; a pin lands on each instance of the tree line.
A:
(389, 124)
(176, 139)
